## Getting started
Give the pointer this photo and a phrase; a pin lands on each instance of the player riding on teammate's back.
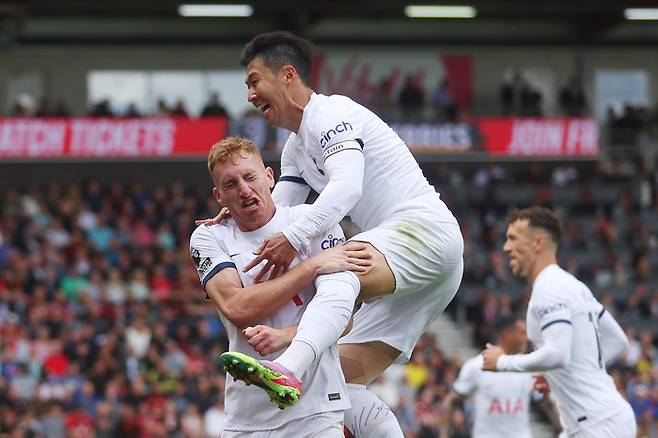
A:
(361, 167)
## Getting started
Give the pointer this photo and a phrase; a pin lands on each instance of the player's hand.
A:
(540, 384)
(490, 357)
(221, 217)
(266, 340)
(278, 252)
(360, 257)
(352, 257)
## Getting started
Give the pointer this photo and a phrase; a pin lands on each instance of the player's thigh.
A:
(379, 280)
(362, 363)
(418, 250)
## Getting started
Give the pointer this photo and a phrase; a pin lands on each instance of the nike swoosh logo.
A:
(301, 172)
(233, 255)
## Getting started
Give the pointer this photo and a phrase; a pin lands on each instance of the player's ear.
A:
(216, 195)
(289, 72)
(270, 176)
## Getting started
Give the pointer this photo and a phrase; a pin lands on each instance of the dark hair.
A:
(538, 217)
(280, 48)
(505, 322)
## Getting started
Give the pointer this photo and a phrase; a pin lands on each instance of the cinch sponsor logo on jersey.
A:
(325, 136)
(331, 241)
(543, 311)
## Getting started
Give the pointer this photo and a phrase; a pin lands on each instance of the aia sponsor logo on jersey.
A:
(331, 241)
(506, 407)
(325, 136)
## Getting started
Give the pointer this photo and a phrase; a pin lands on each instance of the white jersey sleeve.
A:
(208, 253)
(553, 315)
(467, 382)
(291, 189)
(613, 339)
(342, 156)
(555, 353)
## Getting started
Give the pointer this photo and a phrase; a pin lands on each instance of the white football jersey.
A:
(223, 246)
(501, 400)
(334, 123)
(584, 393)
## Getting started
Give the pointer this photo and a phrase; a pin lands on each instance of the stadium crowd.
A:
(104, 329)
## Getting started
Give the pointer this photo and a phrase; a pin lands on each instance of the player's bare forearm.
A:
(550, 410)
(246, 306)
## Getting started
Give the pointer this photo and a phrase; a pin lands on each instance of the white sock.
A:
(369, 417)
(323, 321)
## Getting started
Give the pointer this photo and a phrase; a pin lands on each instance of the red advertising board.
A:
(539, 137)
(26, 138)
(108, 138)
(505, 136)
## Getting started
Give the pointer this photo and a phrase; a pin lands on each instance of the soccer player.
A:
(573, 334)
(321, 312)
(501, 399)
(360, 167)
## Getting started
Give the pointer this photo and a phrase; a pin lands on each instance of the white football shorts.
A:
(424, 247)
(620, 425)
(324, 425)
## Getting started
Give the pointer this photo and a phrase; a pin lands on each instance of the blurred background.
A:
(108, 109)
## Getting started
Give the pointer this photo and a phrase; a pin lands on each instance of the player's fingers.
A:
(223, 214)
(262, 347)
(356, 246)
(360, 254)
(201, 221)
(276, 270)
(360, 262)
(259, 250)
(250, 332)
(254, 340)
(253, 263)
(263, 272)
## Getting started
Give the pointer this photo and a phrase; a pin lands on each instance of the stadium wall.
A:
(64, 69)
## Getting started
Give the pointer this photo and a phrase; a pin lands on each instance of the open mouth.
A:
(264, 108)
(250, 204)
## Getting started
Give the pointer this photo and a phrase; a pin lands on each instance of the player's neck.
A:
(299, 98)
(541, 262)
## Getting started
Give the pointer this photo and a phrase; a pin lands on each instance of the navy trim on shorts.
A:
(214, 271)
(555, 322)
(295, 179)
(601, 313)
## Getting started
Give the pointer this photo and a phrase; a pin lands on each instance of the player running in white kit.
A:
(501, 399)
(242, 184)
(573, 334)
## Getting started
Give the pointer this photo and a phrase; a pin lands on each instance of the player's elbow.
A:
(238, 318)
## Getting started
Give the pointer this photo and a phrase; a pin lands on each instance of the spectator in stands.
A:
(87, 270)
(572, 98)
(519, 98)
(132, 111)
(214, 107)
(179, 109)
(444, 102)
(101, 109)
(411, 98)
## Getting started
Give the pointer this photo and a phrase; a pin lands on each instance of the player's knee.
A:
(362, 363)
